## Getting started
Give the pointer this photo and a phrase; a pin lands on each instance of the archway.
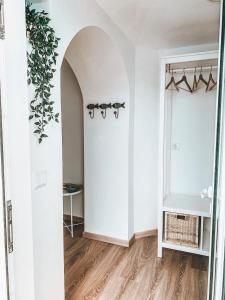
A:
(102, 77)
(72, 146)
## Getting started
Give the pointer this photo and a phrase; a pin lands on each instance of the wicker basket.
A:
(181, 229)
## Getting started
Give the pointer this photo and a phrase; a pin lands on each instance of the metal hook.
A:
(103, 112)
(104, 107)
(116, 113)
(92, 114)
(117, 107)
(91, 108)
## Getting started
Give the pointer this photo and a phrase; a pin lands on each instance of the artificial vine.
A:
(41, 68)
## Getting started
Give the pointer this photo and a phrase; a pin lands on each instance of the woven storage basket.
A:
(181, 229)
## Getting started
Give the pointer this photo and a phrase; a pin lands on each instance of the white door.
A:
(4, 289)
(6, 232)
(4, 283)
(15, 193)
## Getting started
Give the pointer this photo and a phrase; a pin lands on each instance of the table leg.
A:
(71, 214)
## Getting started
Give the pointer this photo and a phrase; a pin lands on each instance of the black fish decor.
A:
(103, 108)
(92, 108)
(117, 106)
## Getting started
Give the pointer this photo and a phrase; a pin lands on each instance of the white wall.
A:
(46, 158)
(146, 139)
(72, 135)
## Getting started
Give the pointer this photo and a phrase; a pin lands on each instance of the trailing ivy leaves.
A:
(41, 68)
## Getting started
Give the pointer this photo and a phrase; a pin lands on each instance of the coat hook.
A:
(116, 113)
(92, 108)
(103, 112)
(117, 106)
(92, 114)
(103, 108)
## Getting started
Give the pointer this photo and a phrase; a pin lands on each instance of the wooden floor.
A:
(96, 270)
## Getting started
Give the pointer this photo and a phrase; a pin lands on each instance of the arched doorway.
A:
(100, 71)
(72, 149)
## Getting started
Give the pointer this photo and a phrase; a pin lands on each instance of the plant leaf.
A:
(40, 60)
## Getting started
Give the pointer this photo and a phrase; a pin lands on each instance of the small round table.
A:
(71, 196)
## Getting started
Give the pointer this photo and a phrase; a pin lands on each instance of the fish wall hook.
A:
(117, 107)
(103, 108)
(92, 108)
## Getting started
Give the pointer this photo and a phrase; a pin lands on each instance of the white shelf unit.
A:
(181, 202)
(190, 205)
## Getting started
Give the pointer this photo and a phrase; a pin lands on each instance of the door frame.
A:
(217, 276)
(4, 278)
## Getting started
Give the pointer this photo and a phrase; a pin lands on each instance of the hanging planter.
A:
(41, 68)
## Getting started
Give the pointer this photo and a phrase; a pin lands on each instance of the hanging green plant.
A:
(41, 68)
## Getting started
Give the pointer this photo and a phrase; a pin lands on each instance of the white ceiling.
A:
(37, 1)
(165, 23)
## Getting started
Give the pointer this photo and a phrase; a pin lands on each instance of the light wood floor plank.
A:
(99, 271)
